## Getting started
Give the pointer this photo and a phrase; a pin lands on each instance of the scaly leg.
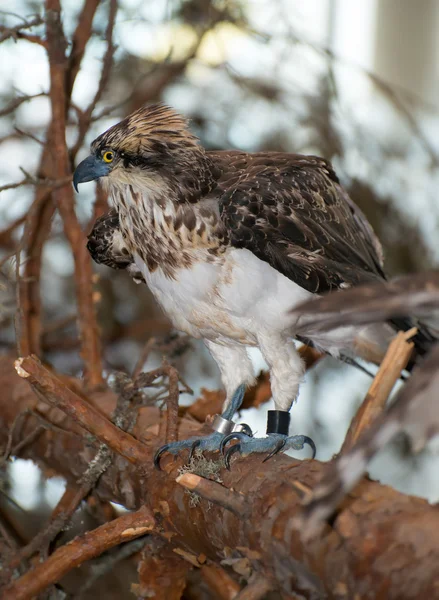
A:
(286, 371)
(236, 373)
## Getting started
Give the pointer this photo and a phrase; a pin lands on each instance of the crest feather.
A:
(154, 122)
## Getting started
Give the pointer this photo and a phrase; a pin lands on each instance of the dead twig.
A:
(62, 513)
(6, 235)
(29, 180)
(216, 493)
(80, 39)
(172, 404)
(143, 356)
(108, 562)
(57, 394)
(395, 361)
(17, 31)
(14, 104)
(82, 548)
(167, 370)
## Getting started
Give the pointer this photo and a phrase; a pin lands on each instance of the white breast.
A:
(232, 299)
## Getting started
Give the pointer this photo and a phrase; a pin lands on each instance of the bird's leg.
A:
(236, 372)
(286, 369)
(222, 425)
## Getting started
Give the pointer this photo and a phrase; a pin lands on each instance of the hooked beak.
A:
(89, 169)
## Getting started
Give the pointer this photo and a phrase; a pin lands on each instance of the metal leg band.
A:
(226, 427)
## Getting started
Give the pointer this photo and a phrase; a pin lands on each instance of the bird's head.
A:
(152, 146)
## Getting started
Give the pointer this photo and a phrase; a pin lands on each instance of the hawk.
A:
(229, 242)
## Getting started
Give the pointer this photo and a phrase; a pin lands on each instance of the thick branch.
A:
(38, 223)
(380, 539)
(63, 197)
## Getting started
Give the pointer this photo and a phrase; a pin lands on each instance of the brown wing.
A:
(107, 246)
(291, 212)
(101, 244)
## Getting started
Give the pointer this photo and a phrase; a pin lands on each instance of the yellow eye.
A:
(108, 156)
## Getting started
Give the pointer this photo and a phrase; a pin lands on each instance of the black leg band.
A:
(278, 421)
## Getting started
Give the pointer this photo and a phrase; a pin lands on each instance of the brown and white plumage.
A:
(107, 246)
(229, 242)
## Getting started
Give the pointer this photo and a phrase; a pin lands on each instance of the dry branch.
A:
(80, 40)
(372, 521)
(63, 197)
(395, 361)
(162, 573)
(82, 548)
(38, 222)
(86, 116)
(216, 493)
(414, 411)
(16, 32)
(59, 396)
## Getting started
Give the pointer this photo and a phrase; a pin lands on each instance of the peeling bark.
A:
(382, 544)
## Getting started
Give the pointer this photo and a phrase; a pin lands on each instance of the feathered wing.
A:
(107, 245)
(290, 211)
(101, 242)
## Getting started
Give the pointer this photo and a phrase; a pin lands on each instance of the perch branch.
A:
(370, 523)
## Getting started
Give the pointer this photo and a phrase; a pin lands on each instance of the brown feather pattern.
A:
(288, 209)
(178, 203)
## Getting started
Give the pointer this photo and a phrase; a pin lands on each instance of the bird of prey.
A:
(229, 242)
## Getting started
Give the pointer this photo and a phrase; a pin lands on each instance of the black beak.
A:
(88, 170)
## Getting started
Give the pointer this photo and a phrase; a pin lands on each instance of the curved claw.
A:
(229, 453)
(246, 429)
(309, 441)
(279, 445)
(158, 455)
(238, 435)
(194, 446)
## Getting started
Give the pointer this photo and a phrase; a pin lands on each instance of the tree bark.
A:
(382, 544)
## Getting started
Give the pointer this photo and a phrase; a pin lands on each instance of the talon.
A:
(309, 441)
(232, 436)
(229, 453)
(226, 439)
(246, 429)
(158, 455)
(279, 445)
(194, 446)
